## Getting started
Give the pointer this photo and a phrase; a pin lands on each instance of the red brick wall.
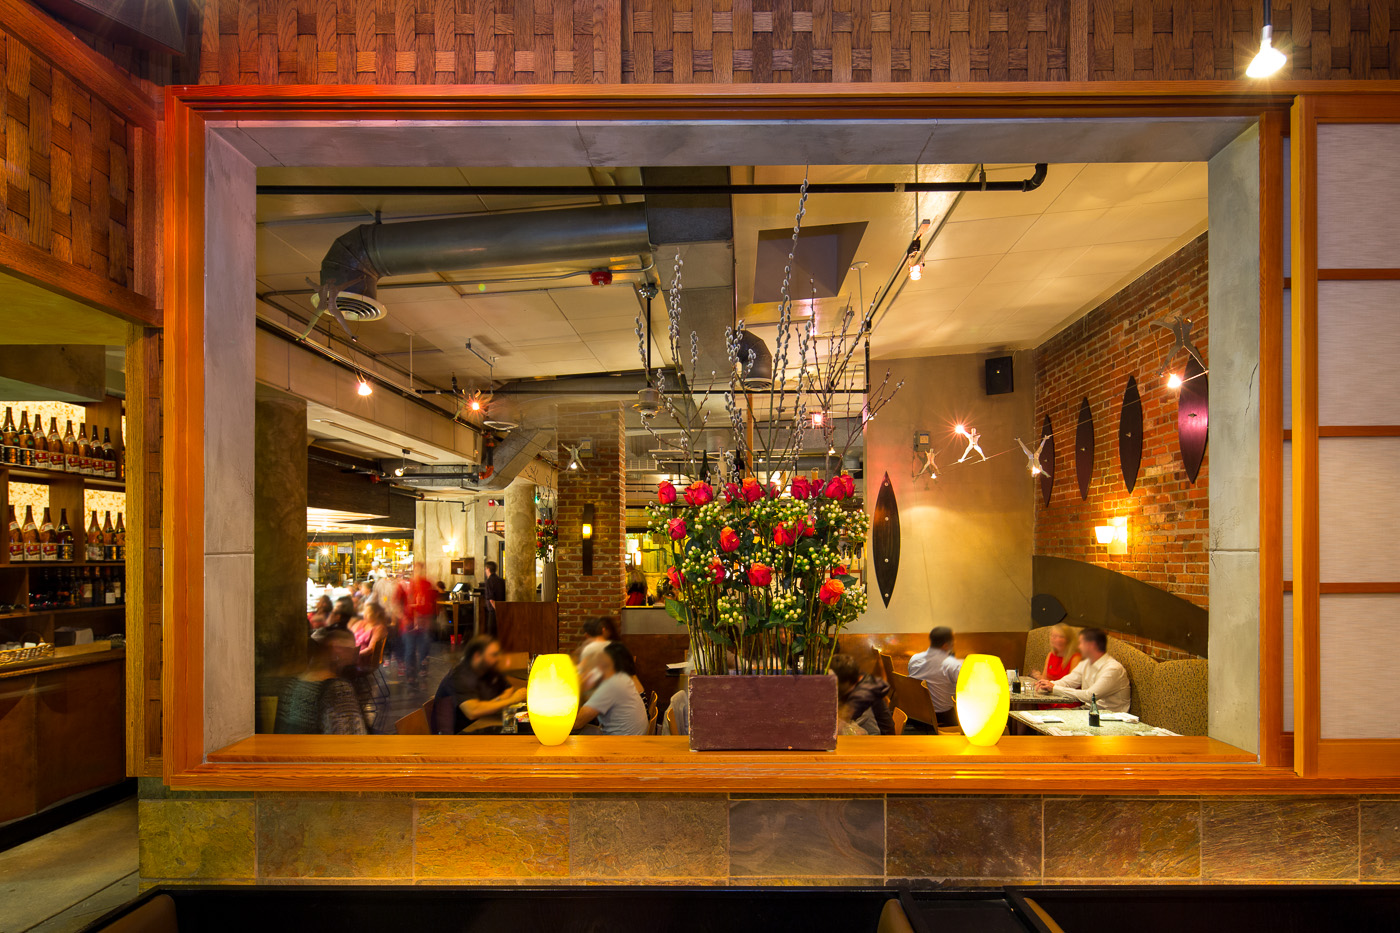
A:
(602, 482)
(1153, 649)
(1093, 358)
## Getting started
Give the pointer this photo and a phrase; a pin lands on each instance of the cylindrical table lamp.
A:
(552, 697)
(984, 698)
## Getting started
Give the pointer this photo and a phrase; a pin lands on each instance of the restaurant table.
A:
(1076, 722)
(1028, 697)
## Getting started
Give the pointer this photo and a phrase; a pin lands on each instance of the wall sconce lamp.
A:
(1114, 535)
(983, 698)
(587, 535)
(551, 696)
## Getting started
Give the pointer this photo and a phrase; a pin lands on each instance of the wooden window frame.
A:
(1182, 765)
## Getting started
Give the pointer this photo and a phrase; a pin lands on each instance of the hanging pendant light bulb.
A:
(1269, 59)
(363, 388)
(916, 271)
(1174, 381)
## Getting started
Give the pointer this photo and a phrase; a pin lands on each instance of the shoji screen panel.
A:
(1343, 522)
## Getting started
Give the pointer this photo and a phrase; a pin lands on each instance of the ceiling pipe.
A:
(360, 257)
(896, 187)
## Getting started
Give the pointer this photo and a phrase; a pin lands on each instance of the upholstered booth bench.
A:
(1150, 909)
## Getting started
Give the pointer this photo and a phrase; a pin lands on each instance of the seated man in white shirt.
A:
(938, 669)
(1098, 675)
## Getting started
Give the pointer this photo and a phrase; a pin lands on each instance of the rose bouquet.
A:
(761, 576)
(546, 536)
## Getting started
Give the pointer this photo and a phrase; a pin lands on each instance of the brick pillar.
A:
(601, 482)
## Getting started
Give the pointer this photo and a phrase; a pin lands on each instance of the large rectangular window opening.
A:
(467, 453)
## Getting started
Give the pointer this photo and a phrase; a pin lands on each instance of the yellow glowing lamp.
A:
(984, 698)
(552, 697)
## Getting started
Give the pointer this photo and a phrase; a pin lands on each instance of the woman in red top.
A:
(1062, 656)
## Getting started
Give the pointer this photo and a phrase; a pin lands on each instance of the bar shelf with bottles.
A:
(54, 574)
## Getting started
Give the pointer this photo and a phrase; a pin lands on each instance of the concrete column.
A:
(1234, 442)
(279, 540)
(519, 568)
(439, 524)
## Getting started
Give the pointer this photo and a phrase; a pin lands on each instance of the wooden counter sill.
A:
(63, 658)
(1153, 765)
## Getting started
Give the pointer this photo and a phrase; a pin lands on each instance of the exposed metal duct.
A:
(509, 458)
(359, 258)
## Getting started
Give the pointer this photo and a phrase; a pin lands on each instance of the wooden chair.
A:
(651, 721)
(671, 722)
(418, 722)
(911, 696)
(886, 667)
(900, 718)
(652, 705)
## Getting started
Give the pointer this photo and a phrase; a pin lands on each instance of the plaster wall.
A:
(966, 538)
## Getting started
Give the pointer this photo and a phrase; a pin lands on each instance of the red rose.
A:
(835, 489)
(728, 540)
(676, 528)
(717, 569)
(839, 570)
(774, 490)
(784, 536)
(760, 575)
(801, 487)
(752, 491)
(665, 492)
(831, 592)
(674, 576)
(699, 493)
(848, 484)
(731, 492)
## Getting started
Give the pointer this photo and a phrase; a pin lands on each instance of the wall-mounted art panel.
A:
(1084, 448)
(884, 539)
(1130, 434)
(1192, 417)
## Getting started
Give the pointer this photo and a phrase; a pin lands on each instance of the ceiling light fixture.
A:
(1269, 59)
(363, 388)
(916, 271)
(1174, 381)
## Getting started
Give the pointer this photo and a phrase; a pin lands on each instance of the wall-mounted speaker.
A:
(999, 376)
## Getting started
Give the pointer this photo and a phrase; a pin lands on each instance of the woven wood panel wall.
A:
(69, 185)
(736, 41)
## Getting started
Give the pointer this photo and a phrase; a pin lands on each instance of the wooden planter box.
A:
(770, 713)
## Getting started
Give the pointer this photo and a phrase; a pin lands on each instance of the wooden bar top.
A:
(68, 656)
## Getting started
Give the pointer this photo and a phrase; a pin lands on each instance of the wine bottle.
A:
(1094, 710)
(65, 536)
(41, 444)
(9, 437)
(85, 588)
(31, 535)
(109, 539)
(26, 441)
(119, 585)
(84, 450)
(94, 539)
(109, 455)
(56, 459)
(121, 537)
(48, 538)
(16, 539)
(70, 449)
(109, 587)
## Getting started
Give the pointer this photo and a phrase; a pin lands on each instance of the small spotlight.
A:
(1269, 59)
(831, 451)
(364, 388)
(573, 464)
(1035, 471)
(916, 271)
(818, 419)
(325, 552)
(961, 429)
(398, 471)
(476, 405)
(1174, 381)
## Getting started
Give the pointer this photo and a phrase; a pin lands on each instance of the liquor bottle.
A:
(109, 539)
(119, 585)
(26, 441)
(16, 540)
(70, 449)
(109, 588)
(109, 455)
(65, 537)
(121, 537)
(48, 538)
(56, 460)
(94, 539)
(84, 450)
(9, 437)
(85, 588)
(1094, 710)
(31, 535)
